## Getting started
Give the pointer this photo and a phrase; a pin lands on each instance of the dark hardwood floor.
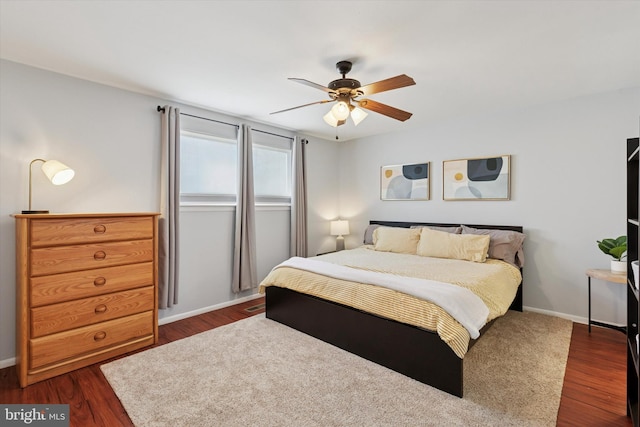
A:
(593, 393)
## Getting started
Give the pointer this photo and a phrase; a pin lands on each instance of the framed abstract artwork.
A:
(405, 182)
(486, 178)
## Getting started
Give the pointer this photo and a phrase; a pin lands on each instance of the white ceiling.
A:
(467, 57)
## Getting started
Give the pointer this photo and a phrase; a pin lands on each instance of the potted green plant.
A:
(616, 248)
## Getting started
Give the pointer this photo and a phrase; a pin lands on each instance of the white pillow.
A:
(439, 244)
(396, 239)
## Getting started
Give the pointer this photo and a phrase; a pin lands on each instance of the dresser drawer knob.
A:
(99, 281)
(99, 336)
(99, 229)
(100, 255)
(100, 309)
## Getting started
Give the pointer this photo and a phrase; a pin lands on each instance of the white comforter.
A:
(462, 304)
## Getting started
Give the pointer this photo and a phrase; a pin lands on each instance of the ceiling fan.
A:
(346, 93)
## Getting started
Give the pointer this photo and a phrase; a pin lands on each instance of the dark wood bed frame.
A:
(409, 350)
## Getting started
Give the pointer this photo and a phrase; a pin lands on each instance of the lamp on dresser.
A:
(58, 173)
(339, 228)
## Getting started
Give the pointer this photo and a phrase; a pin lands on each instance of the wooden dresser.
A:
(87, 289)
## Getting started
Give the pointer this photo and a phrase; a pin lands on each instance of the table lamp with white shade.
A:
(339, 228)
(58, 173)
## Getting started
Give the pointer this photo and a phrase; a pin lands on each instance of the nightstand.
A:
(607, 276)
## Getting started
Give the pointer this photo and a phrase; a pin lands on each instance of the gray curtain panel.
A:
(169, 208)
(245, 272)
(299, 200)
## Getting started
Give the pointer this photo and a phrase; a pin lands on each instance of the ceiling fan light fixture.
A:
(340, 111)
(330, 119)
(358, 115)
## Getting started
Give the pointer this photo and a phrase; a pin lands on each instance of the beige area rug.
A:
(257, 372)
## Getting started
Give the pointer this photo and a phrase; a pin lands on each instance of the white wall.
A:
(110, 137)
(568, 189)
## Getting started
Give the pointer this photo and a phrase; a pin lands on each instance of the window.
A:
(271, 174)
(209, 168)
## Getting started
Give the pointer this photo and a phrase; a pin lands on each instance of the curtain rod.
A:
(274, 134)
(203, 118)
(230, 124)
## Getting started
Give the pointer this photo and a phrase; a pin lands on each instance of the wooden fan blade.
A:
(391, 83)
(387, 110)
(305, 105)
(312, 84)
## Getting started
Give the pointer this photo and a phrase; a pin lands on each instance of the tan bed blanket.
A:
(495, 282)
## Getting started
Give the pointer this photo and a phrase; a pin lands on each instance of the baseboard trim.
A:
(575, 319)
(7, 362)
(181, 316)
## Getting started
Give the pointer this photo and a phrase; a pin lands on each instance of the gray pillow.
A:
(368, 233)
(504, 244)
(454, 230)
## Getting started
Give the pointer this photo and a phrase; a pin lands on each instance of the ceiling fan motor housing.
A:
(343, 68)
(344, 84)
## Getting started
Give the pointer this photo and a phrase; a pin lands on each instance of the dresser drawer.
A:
(62, 259)
(81, 284)
(54, 318)
(53, 232)
(83, 341)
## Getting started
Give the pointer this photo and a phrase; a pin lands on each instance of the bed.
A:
(410, 349)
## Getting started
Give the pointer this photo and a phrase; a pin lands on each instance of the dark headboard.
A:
(406, 224)
(517, 302)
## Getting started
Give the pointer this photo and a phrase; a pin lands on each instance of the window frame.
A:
(208, 199)
(263, 200)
